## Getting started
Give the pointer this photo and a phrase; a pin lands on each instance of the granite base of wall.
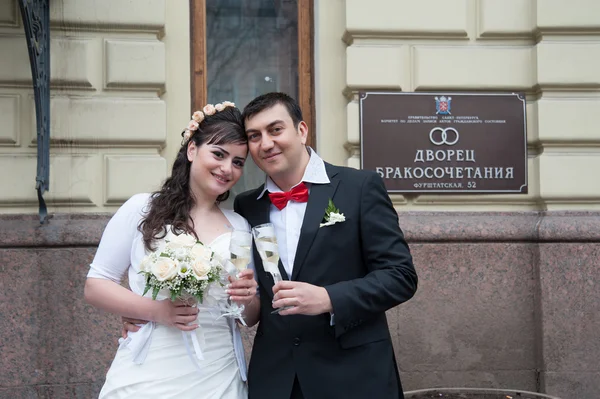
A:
(505, 300)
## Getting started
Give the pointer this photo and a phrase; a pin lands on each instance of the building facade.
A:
(508, 294)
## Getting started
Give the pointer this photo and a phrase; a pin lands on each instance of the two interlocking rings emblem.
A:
(448, 136)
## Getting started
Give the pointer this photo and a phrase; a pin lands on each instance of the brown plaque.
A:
(445, 142)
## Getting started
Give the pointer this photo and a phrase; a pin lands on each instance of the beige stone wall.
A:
(119, 97)
(550, 49)
(120, 90)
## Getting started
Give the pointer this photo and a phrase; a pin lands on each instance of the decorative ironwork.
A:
(36, 20)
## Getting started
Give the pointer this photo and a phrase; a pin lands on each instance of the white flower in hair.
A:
(187, 135)
(228, 104)
(219, 107)
(209, 109)
(198, 116)
(193, 125)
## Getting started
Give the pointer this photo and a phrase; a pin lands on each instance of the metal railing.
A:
(36, 20)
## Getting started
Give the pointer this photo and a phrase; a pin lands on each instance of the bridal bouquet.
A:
(181, 266)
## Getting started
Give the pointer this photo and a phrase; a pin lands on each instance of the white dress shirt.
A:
(288, 221)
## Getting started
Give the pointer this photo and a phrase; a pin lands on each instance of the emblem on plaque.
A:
(442, 105)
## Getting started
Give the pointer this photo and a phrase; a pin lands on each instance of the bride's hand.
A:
(243, 289)
(176, 314)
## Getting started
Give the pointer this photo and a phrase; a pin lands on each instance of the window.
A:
(241, 49)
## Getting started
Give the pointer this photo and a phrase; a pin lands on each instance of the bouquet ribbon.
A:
(234, 311)
(196, 338)
(191, 335)
(139, 342)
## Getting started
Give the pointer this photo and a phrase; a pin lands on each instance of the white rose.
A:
(146, 264)
(201, 268)
(219, 107)
(228, 104)
(179, 241)
(200, 251)
(165, 269)
(201, 263)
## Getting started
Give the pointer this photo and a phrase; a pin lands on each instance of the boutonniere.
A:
(332, 215)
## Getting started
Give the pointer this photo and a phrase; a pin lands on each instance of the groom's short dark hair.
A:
(269, 100)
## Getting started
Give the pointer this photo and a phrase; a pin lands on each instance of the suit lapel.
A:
(259, 212)
(319, 197)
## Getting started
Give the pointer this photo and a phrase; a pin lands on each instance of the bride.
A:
(158, 361)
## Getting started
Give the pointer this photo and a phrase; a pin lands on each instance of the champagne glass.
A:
(240, 250)
(266, 245)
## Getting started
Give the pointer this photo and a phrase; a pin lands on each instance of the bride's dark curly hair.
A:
(174, 201)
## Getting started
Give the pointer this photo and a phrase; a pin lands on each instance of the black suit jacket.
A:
(365, 265)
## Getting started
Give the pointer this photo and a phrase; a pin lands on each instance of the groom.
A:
(332, 341)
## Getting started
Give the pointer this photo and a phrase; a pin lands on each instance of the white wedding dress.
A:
(159, 361)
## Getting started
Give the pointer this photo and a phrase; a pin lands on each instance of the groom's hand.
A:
(130, 324)
(304, 298)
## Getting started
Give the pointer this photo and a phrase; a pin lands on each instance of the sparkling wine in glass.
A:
(240, 248)
(266, 245)
(240, 251)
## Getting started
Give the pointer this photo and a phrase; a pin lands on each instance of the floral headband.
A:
(199, 116)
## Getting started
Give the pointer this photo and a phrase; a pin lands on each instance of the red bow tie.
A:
(298, 194)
